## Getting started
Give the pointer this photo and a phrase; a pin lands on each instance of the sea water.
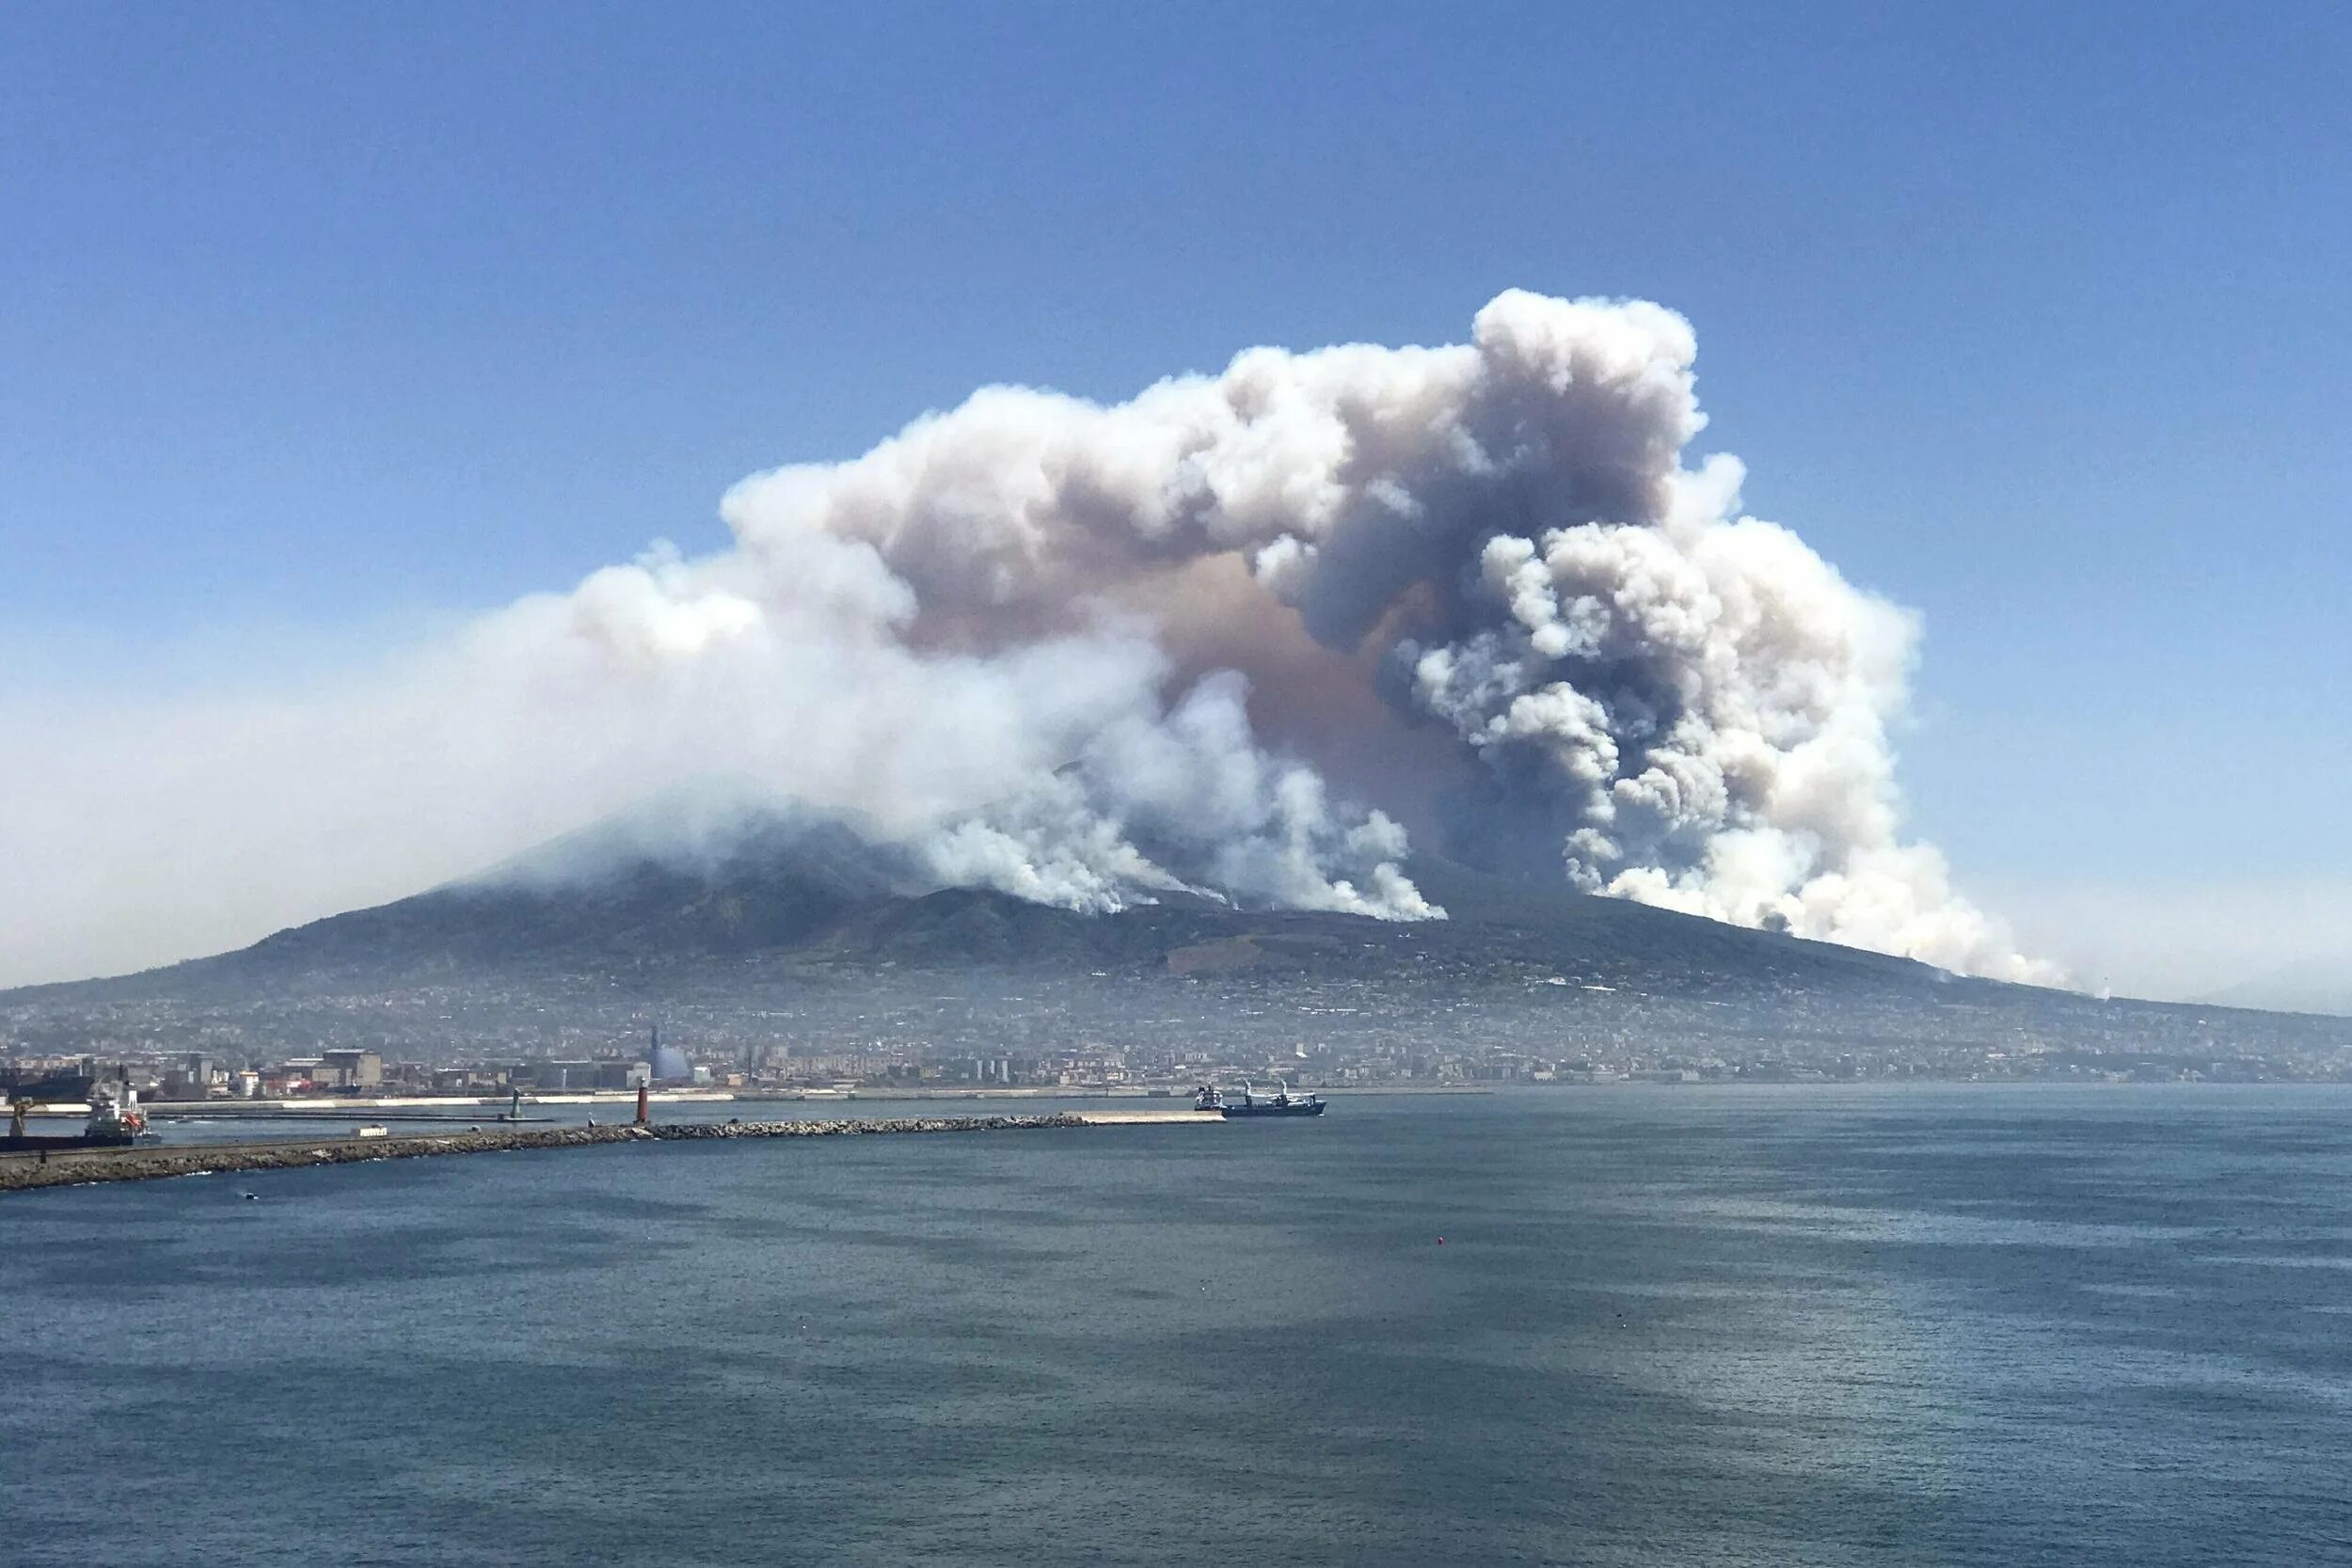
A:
(1652, 1326)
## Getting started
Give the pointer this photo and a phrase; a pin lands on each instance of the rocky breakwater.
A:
(22, 1172)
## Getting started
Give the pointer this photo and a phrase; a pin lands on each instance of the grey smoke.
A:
(1677, 702)
(1218, 640)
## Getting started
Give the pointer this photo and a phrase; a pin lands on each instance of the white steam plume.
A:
(1093, 654)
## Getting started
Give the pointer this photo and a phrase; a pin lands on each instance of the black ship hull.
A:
(33, 1142)
(1302, 1108)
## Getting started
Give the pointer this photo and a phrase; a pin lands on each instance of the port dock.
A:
(28, 1171)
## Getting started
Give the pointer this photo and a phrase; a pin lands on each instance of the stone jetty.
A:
(22, 1172)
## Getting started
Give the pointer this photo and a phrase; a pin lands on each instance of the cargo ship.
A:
(1280, 1103)
(114, 1123)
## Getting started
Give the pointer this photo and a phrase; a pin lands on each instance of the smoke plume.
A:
(1219, 639)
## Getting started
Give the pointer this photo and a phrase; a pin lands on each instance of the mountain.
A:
(671, 882)
(693, 886)
(754, 925)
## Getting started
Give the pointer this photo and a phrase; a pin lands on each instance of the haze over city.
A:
(363, 501)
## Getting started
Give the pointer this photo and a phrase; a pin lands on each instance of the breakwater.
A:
(22, 1172)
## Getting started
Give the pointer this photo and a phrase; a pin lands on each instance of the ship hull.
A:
(1235, 1113)
(33, 1142)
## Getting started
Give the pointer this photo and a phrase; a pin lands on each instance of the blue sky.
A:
(320, 325)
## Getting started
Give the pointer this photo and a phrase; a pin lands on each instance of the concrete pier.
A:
(20, 1173)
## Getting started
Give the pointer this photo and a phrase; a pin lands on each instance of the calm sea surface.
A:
(1665, 1327)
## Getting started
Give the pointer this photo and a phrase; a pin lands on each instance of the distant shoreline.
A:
(337, 1106)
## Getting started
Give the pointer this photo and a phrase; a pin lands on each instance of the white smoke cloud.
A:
(1689, 704)
(993, 635)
